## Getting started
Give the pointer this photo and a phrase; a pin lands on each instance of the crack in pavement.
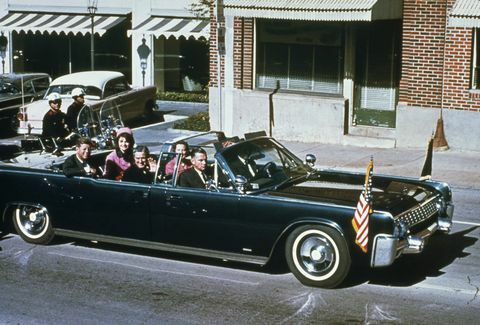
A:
(476, 287)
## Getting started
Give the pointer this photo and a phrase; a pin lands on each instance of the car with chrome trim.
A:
(16, 89)
(261, 202)
(101, 87)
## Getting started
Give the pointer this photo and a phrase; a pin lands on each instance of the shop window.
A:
(181, 64)
(476, 60)
(301, 56)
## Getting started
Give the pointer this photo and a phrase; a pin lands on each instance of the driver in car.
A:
(243, 164)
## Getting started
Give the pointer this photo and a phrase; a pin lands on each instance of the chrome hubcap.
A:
(32, 220)
(316, 255)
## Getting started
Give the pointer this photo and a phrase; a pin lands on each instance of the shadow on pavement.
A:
(406, 271)
(163, 254)
(440, 251)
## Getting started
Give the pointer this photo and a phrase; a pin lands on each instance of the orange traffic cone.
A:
(439, 141)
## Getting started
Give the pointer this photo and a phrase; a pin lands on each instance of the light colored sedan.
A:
(101, 87)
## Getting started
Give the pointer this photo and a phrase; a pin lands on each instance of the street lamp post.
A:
(3, 50)
(92, 9)
(143, 52)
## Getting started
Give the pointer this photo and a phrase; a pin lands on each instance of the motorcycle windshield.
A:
(87, 123)
(110, 117)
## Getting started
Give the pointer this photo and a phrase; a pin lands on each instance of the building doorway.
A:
(377, 74)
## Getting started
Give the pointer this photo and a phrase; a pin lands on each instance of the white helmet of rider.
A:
(78, 92)
(54, 97)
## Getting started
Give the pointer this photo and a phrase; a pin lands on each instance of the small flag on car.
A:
(364, 209)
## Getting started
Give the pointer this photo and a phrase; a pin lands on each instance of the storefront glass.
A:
(302, 56)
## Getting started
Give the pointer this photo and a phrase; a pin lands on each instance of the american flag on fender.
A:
(363, 210)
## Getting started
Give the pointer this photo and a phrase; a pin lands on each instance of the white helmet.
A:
(78, 92)
(53, 97)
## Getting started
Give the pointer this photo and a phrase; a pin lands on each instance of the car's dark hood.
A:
(394, 199)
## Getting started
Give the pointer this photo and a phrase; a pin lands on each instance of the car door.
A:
(113, 208)
(194, 217)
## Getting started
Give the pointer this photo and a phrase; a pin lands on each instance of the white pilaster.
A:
(228, 116)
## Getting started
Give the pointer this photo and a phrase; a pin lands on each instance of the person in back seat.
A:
(79, 163)
(119, 160)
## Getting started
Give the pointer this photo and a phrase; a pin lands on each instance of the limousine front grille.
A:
(419, 213)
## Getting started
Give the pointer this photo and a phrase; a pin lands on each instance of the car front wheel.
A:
(318, 256)
(33, 224)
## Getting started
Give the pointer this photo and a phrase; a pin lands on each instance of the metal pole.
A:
(219, 17)
(219, 77)
(92, 50)
(69, 54)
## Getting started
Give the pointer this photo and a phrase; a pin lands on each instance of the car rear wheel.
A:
(33, 224)
(318, 256)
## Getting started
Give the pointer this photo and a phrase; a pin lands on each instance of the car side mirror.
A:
(241, 183)
(310, 160)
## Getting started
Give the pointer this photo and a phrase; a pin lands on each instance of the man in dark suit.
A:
(77, 164)
(196, 176)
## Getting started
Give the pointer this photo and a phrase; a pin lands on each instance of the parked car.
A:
(16, 89)
(100, 87)
(284, 207)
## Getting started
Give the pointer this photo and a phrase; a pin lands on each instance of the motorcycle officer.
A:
(78, 95)
(54, 121)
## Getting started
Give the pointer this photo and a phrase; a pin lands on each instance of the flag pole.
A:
(427, 164)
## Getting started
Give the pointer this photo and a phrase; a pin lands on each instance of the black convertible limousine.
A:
(284, 208)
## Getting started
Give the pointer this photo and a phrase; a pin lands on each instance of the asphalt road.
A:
(82, 282)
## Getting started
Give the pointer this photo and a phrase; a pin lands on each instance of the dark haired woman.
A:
(119, 160)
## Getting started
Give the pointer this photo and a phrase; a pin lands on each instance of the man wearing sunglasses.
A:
(54, 121)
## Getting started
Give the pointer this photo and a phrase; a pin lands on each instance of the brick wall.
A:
(458, 58)
(423, 66)
(243, 53)
(213, 49)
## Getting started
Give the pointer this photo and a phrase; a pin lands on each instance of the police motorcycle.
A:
(100, 127)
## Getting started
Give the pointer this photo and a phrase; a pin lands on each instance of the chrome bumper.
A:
(386, 248)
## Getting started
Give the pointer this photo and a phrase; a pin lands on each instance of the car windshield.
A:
(8, 88)
(264, 163)
(66, 90)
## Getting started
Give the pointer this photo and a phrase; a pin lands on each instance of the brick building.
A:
(372, 72)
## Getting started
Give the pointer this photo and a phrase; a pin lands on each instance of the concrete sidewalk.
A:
(458, 168)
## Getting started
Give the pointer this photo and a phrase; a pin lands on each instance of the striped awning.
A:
(316, 10)
(465, 13)
(57, 23)
(173, 27)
